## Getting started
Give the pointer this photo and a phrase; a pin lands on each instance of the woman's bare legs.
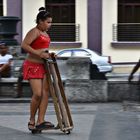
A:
(36, 85)
(39, 99)
(44, 102)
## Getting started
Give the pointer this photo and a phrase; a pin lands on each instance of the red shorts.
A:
(33, 70)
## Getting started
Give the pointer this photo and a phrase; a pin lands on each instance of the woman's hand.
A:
(44, 55)
(53, 55)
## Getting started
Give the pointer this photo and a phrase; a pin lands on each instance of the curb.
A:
(17, 100)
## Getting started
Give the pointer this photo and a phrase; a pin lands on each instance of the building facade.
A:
(119, 31)
(110, 27)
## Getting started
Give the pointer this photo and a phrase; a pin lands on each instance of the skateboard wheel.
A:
(35, 131)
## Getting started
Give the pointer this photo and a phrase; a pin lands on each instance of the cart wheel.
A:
(67, 132)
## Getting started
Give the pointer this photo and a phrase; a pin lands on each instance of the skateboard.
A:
(37, 131)
(56, 89)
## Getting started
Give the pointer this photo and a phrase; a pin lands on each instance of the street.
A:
(94, 121)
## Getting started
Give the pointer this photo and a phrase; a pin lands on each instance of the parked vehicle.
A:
(103, 63)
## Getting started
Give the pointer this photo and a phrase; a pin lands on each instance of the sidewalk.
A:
(95, 121)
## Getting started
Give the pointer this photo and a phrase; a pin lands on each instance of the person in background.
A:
(133, 71)
(5, 61)
(36, 43)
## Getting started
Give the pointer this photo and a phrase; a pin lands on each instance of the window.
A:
(63, 13)
(1, 7)
(65, 53)
(80, 53)
(129, 11)
(128, 20)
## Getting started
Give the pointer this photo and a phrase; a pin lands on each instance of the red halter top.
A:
(41, 42)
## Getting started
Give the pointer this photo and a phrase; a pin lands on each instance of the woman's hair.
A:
(42, 15)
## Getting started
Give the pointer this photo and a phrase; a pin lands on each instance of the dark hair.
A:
(42, 15)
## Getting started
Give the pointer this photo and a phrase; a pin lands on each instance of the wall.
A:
(4, 7)
(120, 54)
(81, 18)
(30, 10)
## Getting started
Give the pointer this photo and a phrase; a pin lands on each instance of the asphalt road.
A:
(94, 121)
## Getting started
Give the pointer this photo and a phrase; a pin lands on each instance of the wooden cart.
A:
(56, 89)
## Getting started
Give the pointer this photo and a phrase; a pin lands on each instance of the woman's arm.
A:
(29, 38)
(134, 70)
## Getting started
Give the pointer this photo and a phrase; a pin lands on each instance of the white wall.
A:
(81, 18)
(30, 10)
(4, 7)
(125, 54)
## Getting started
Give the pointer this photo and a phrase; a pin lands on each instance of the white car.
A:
(102, 62)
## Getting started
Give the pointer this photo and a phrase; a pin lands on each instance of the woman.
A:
(36, 43)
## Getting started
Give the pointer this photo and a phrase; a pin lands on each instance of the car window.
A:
(65, 54)
(80, 53)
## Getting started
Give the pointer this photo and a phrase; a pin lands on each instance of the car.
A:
(103, 63)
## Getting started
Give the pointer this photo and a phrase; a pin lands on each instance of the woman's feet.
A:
(45, 125)
(31, 126)
(39, 127)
